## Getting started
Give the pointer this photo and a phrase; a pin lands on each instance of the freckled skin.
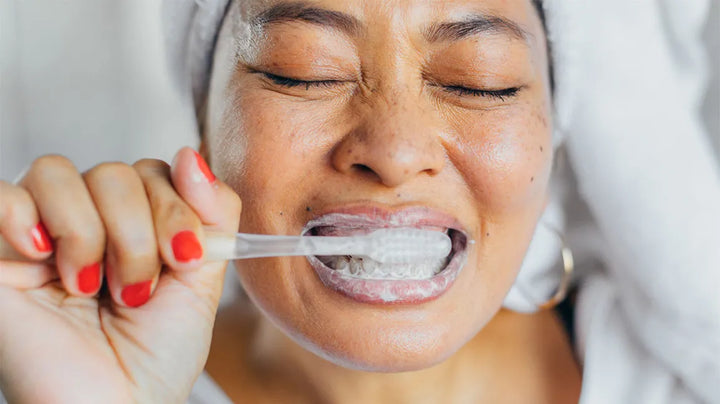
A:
(387, 135)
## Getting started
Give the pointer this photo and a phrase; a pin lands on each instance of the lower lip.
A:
(383, 291)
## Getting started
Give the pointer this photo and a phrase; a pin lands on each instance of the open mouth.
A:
(367, 268)
(370, 281)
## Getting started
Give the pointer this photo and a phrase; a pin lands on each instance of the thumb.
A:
(215, 203)
(218, 207)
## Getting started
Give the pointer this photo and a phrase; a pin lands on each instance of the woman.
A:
(320, 117)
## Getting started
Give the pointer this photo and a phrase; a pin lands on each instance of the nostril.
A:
(367, 172)
(363, 168)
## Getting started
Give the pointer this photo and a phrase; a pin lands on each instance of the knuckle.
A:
(175, 211)
(151, 166)
(110, 171)
(50, 163)
(90, 237)
(13, 209)
(15, 203)
(140, 246)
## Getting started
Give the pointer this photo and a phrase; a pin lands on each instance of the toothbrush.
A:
(396, 245)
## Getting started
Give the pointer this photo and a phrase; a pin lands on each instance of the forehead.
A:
(515, 19)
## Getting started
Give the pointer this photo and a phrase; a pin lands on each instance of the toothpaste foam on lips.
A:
(369, 281)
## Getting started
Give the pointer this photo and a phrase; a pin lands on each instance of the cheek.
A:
(505, 158)
(277, 144)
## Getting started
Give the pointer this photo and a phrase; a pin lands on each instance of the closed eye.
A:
(501, 95)
(289, 82)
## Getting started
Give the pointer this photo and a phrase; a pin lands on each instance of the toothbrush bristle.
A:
(402, 245)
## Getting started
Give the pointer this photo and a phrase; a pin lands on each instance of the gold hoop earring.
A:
(568, 267)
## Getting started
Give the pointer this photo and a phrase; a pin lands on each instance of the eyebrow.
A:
(474, 25)
(301, 11)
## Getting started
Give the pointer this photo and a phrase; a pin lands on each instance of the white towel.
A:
(630, 76)
(646, 170)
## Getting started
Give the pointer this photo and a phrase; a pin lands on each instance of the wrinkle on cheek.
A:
(310, 136)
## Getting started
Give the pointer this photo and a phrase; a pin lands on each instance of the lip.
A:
(390, 291)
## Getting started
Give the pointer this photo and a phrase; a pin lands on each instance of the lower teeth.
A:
(366, 268)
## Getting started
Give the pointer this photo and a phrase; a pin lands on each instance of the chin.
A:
(385, 349)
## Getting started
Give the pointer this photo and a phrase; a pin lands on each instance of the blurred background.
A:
(87, 79)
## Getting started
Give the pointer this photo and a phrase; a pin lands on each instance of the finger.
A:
(179, 231)
(24, 275)
(20, 226)
(132, 262)
(68, 212)
(216, 204)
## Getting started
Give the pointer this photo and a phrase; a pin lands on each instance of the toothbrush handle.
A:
(220, 246)
(227, 246)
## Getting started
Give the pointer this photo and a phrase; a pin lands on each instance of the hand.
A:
(145, 336)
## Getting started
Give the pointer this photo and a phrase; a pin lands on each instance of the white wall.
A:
(85, 78)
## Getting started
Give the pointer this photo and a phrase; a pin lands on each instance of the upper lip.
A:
(374, 216)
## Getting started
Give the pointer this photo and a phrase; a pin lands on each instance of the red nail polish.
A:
(136, 294)
(202, 165)
(186, 246)
(41, 238)
(89, 278)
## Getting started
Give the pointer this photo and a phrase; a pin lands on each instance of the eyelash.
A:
(497, 94)
(288, 82)
(459, 90)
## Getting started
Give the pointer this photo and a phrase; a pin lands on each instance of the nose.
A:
(392, 144)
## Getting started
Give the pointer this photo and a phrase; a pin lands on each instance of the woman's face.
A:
(338, 117)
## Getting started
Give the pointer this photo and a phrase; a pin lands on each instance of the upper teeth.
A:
(363, 267)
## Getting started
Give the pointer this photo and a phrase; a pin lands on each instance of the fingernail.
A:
(136, 294)
(41, 238)
(204, 169)
(89, 278)
(186, 246)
